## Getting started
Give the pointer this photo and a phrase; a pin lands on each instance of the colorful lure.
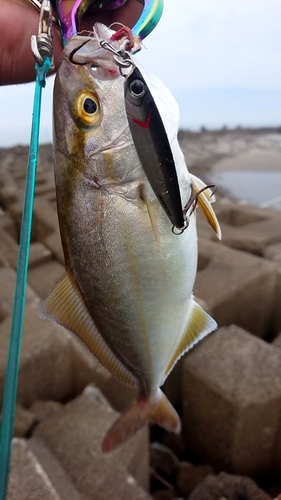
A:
(70, 20)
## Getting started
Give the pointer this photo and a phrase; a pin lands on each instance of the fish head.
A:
(90, 123)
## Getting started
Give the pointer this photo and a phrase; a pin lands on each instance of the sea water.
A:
(259, 188)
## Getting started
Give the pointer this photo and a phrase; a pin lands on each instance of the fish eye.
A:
(90, 106)
(86, 108)
(137, 88)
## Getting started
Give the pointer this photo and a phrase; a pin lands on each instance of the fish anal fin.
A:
(159, 411)
(199, 325)
(205, 206)
(65, 306)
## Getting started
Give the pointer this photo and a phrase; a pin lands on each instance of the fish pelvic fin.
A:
(204, 202)
(199, 325)
(158, 410)
(65, 306)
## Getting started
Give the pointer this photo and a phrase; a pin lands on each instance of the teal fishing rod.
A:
(42, 50)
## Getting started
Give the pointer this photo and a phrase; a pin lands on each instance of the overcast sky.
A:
(220, 58)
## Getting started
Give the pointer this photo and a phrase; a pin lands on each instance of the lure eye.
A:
(86, 108)
(137, 88)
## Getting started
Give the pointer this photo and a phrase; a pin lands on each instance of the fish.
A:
(127, 288)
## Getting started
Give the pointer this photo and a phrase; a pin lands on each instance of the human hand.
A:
(19, 20)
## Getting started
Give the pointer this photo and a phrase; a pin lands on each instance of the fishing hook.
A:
(192, 203)
(193, 200)
(71, 58)
(126, 60)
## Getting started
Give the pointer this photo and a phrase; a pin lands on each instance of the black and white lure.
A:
(152, 145)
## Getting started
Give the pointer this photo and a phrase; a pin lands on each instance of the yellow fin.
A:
(158, 410)
(153, 219)
(205, 205)
(201, 185)
(199, 325)
(65, 306)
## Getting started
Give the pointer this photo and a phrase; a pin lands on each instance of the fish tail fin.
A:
(159, 411)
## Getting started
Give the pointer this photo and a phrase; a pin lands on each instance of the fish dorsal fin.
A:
(65, 306)
(199, 325)
(203, 201)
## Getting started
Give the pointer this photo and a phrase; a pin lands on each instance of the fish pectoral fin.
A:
(152, 212)
(159, 411)
(65, 305)
(204, 204)
(199, 325)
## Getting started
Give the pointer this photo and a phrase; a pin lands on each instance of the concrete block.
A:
(9, 248)
(236, 287)
(232, 401)
(43, 189)
(50, 198)
(3, 262)
(38, 255)
(9, 193)
(46, 365)
(204, 231)
(277, 309)
(253, 238)
(43, 278)
(7, 290)
(277, 341)
(44, 184)
(45, 218)
(276, 456)
(15, 211)
(24, 421)
(54, 470)
(44, 409)
(28, 480)
(249, 228)
(8, 224)
(243, 214)
(225, 486)
(273, 252)
(53, 243)
(189, 476)
(88, 370)
(75, 434)
(165, 495)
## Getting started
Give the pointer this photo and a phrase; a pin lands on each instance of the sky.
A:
(220, 58)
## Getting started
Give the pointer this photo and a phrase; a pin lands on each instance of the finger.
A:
(18, 21)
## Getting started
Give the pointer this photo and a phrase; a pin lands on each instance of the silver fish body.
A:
(127, 291)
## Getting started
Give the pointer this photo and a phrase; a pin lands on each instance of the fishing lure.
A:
(70, 20)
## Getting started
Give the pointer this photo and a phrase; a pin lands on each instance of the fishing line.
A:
(11, 377)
